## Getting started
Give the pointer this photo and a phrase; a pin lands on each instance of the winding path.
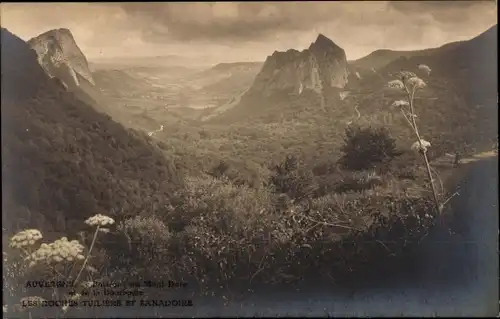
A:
(153, 132)
(358, 114)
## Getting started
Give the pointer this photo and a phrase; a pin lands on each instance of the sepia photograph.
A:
(249, 159)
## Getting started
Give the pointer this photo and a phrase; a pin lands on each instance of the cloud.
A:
(228, 21)
(252, 30)
(244, 21)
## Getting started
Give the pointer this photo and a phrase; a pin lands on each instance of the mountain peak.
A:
(60, 56)
(322, 38)
(60, 31)
(322, 66)
(323, 42)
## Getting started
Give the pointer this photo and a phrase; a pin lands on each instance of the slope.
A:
(381, 58)
(470, 67)
(64, 161)
(459, 105)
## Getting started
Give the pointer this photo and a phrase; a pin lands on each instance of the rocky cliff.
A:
(323, 65)
(60, 57)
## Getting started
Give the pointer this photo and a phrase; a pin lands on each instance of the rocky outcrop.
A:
(60, 57)
(323, 65)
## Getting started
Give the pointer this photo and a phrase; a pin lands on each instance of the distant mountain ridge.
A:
(236, 65)
(469, 66)
(381, 58)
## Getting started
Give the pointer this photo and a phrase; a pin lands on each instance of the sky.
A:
(250, 31)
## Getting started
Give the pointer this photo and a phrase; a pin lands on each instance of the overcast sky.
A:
(230, 31)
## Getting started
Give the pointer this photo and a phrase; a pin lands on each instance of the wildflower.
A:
(400, 103)
(416, 82)
(396, 84)
(424, 68)
(25, 238)
(421, 145)
(99, 220)
(56, 252)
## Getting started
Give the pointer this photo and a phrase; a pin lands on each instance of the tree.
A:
(364, 148)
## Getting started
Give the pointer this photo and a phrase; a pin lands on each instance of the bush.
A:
(219, 170)
(141, 249)
(290, 179)
(364, 148)
(214, 198)
(359, 181)
(406, 165)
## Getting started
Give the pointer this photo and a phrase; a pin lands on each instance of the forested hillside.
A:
(64, 161)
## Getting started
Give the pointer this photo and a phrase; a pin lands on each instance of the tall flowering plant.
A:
(62, 260)
(408, 83)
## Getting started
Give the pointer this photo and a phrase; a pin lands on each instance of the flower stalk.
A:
(410, 83)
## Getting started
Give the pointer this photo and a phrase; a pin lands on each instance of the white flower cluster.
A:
(25, 238)
(400, 103)
(416, 146)
(416, 82)
(56, 252)
(425, 68)
(396, 84)
(99, 220)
